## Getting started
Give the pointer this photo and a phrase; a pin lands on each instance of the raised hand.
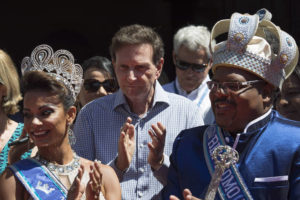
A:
(77, 188)
(187, 195)
(126, 146)
(156, 147)
(95, 184)
(16, 151)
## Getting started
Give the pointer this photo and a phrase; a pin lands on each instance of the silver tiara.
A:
(59, 64)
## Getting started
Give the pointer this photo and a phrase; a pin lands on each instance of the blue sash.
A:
(38, 180)
(203, 96)
(232, 185)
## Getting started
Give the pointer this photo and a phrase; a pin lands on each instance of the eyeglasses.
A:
(92, 85)
(185, 65)
(230, 86)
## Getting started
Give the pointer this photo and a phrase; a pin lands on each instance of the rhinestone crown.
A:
(59, 64)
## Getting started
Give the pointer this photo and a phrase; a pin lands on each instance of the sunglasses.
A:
(185, 65)
(92, 85)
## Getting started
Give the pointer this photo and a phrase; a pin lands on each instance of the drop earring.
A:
(71, 136)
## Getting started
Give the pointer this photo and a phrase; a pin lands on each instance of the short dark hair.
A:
(41, 81)
(101, 63)
(138, 34)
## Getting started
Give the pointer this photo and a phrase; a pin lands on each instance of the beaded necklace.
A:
(60, 169)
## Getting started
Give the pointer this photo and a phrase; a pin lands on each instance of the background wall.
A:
(85, 28)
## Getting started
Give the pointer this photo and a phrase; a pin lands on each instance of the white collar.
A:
(195, 91)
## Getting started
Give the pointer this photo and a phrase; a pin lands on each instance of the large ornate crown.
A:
(59, 64)
(256, 45)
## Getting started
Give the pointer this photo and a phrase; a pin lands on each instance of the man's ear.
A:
(174, 57)
(159, 67)
(267, 93)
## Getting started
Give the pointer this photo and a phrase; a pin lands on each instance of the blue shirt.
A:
(97, 130)
(269, 151)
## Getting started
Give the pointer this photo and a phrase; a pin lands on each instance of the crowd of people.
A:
(227, 127)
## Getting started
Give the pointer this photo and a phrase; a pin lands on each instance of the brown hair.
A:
(10, 79)
(42, 81)
(138, 34)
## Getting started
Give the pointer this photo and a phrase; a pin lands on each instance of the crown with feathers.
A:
(59, 64)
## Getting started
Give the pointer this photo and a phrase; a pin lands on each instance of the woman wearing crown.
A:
(51, 82)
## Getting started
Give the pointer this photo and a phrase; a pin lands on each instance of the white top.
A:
(200, 96)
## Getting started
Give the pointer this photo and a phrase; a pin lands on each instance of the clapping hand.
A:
(126, 146)
(93, 188)
(187, 195)
(77, 188)
(156, 147)
(95, 183)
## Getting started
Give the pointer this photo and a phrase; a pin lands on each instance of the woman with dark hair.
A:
(10, 95)
(288, 102)
(99, 79)
(51, 83)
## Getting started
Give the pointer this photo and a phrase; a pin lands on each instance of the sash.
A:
(232, 185)
(38, 180)
(203, 96)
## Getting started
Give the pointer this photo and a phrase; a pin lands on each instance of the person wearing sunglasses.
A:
(250, 152)
(191, 57)
(99, 79)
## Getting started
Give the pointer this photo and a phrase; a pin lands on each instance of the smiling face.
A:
(233, 111)
(45, 119)
(289, 103)
(136, 73)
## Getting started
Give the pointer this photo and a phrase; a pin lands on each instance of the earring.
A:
(71, 136)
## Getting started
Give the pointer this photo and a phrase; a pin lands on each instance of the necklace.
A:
(60, 169)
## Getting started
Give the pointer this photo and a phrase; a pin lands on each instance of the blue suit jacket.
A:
(270, 151)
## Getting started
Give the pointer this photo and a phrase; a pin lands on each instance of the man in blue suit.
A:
(248, 70)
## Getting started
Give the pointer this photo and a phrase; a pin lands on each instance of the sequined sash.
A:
(232, 185)
(38, 180)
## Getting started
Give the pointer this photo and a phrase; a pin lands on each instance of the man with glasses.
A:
(191, 57)
(251, 152)
(149, 117)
